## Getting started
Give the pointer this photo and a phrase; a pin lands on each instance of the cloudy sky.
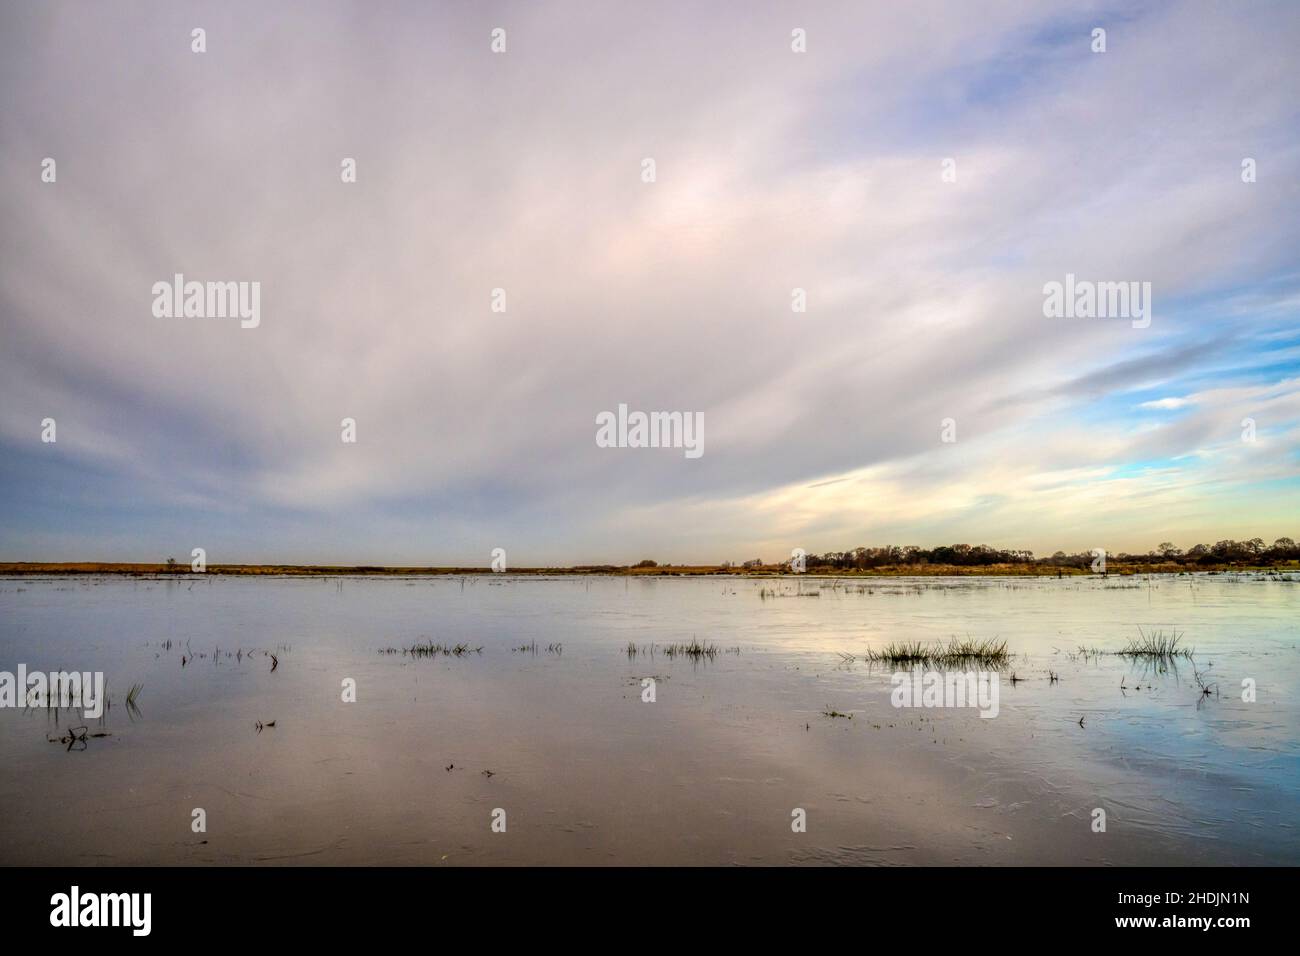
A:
(523, 171)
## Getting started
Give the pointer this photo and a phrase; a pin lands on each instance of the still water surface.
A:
(709, 773)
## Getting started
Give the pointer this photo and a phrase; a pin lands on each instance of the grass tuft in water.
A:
(1155, 646)
(432, 649)
(692, 649)
(987, 653)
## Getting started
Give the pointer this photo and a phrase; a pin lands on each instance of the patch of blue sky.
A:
(1237, 368)
(1147, 467)
(959, 102)
(1237, 353)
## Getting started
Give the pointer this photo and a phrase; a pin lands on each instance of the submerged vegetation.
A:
(75, 738)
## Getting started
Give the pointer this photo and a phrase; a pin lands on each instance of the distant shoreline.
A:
(72, 568)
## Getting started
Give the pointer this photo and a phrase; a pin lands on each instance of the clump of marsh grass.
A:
(1156, 646)
(693, 649)
(531, 648)
(987, 653)
(432, 649)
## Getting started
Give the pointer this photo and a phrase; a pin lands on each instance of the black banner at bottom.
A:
(330, 905)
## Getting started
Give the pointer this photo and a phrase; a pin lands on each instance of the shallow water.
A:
(711, 772)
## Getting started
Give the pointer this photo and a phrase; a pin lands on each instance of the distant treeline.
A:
(1252, 552)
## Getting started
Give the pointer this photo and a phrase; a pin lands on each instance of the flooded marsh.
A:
(655, 720)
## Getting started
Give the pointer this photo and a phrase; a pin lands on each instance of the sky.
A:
(524, 170)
